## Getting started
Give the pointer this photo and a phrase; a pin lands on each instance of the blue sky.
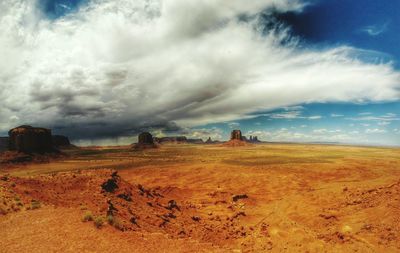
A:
(364, 24)
(365, 124)
(106, 70)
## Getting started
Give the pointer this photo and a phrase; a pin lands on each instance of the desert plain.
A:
(204, 198)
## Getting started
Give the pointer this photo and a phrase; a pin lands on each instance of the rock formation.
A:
(209, 141)
(171, 139)
(4, 141)
(145, 140)
(30, 139)
(236, 135)
(60, 141)
(253, 139)
(195, 141)
(236, 140)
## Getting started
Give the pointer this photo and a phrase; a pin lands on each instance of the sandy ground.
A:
(259, 198)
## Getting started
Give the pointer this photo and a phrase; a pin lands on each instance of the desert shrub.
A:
(110, 219)
(98, 222)
(35, 204)
(115, 222)
(88, 216)
(118, 225)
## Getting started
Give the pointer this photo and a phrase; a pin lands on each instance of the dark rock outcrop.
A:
(253, 139)
(145, 140)
(236, 135)
(60, 141)
(4, 143)
(171, 139)
(30, 139)
(195, 141)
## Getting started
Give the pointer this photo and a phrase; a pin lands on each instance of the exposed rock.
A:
(60, 141)
(145, 138)
(196, 218)
(31, 139)
(195, 141)
(253, 139)
(111, 184)
(236, 135)
(172, 204)
(210, 141)
(4, 143)
(240, 196)
(145, 141)
(237, 140)
(171, 139)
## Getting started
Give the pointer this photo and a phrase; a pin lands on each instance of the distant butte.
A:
(145, 141)
(237, 140)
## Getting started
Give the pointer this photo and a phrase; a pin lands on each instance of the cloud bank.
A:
(114, 68)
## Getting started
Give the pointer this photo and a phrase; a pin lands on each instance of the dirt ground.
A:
(204, 198)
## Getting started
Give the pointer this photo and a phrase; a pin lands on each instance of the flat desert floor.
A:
(204, 198)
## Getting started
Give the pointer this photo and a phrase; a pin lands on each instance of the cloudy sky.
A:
(100, 71)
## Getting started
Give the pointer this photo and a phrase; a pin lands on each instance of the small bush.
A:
(98, 222)
(119, 225)
(35, 204)
(110, 219)
(88, 216)
(115, 222)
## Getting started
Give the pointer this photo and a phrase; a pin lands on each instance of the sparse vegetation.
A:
(99, 221)
(35, 204)
(88, 216)
(110, 219)
(115, 222)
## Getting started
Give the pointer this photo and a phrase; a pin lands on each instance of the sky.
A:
(101, 71)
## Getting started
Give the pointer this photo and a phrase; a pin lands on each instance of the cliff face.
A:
(4, 143)
(60, 141)
(236, 135)
(30, 139)
(172, 139)
(145, 141)
(145, 138)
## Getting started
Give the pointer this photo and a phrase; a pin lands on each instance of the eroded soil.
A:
(205, 198)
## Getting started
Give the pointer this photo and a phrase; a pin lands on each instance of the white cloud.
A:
(334, 115)
(116, 66)
(386, 117)
(384, 123)
(234, 124)
(375, 30)
(324, 131)
(375, 131)
(203, 133)
(318, 135)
